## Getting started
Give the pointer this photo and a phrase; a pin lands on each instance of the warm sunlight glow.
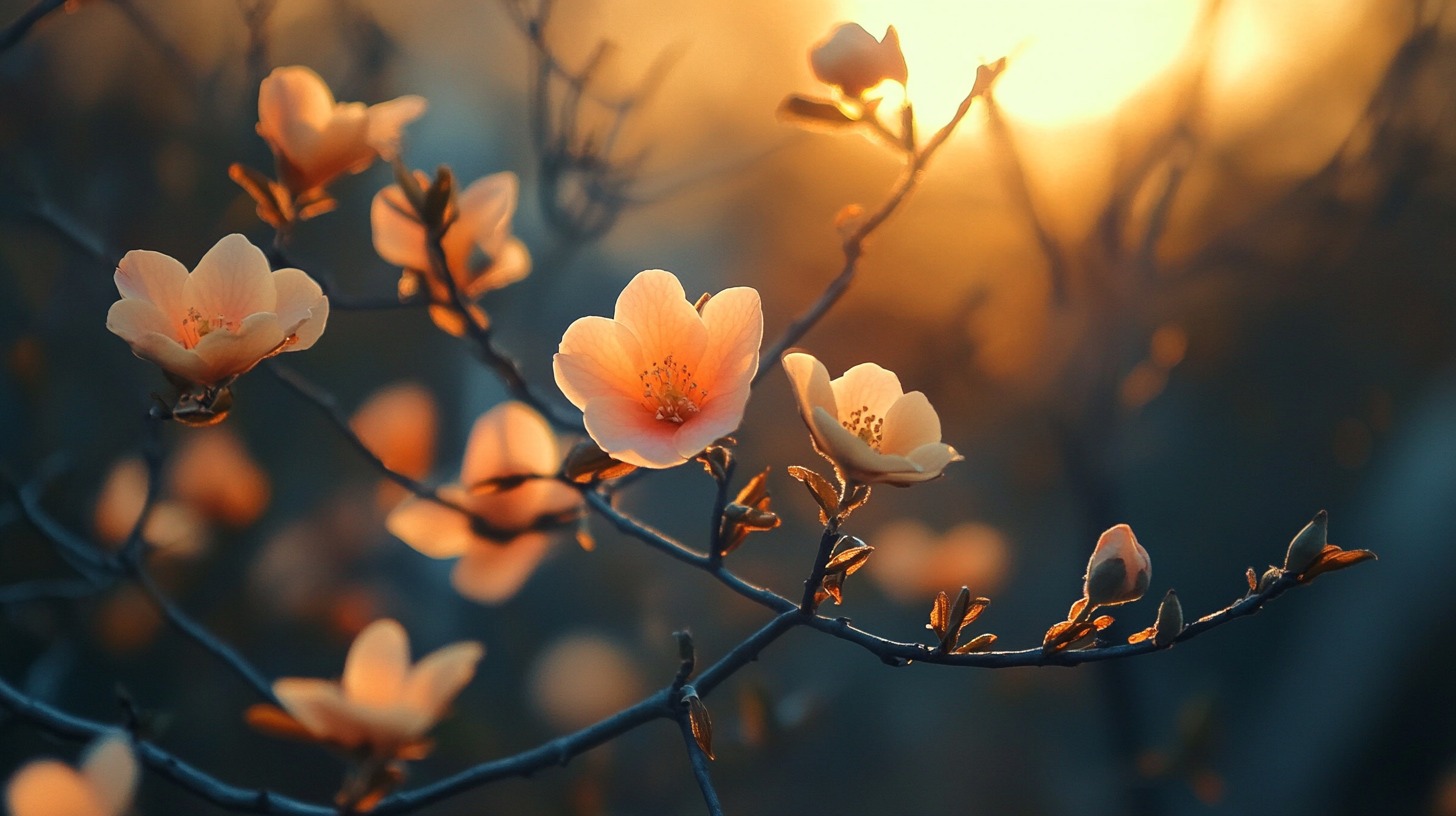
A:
(1070, 61)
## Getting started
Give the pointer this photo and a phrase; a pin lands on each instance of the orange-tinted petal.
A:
(734, 320)
(132, 319)
(226, 353)
(374, 671)
(294, 104)
(853, 455)
(387, 120)
(439, 676)
(720, 416)
(510, 263)
(50, 788)
(909, 423)
(155, 278)
(431, 528)
(399, 237)
(232, 281)
(598, 358)
(625, 429)
(659, 315)
(866, 386)
(510, 439)
(493, 573)
(319, 706)
(398, 424)
(302, 309)
(810, 381)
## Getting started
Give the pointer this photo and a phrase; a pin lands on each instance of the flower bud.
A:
(1170, 621)
(854, 60)
(1119, 570)
(1308, 544)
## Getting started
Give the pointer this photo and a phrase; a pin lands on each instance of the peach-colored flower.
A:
(511, 439)
(398, 424)
(315, 139)
(867, 425)
(214, 473)
(104, 786)
(852, 59)
(1119, 570)
(480, 251)
(660, 381)
(383, 706)
(219, 321)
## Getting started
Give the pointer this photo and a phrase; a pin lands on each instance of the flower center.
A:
(195, 327)
(866, 426)
(670, 392)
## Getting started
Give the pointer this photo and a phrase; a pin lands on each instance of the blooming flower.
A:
(383, 706)
(219, 321)
(509, 440)
(480, 252)
(315, 139)
(854, 60)
(661, 380)
(866, 425)
(1119, 570)
(104, 786)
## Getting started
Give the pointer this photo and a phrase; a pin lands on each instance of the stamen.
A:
(670, 392)
(866, 426)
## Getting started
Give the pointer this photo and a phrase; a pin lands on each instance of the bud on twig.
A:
(1118, 571)
(1307, 545)
(1170, 621)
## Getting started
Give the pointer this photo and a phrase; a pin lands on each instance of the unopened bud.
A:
(588, 463)
(1118, 571)
(439, 199)
(1170, 620)
(854, 60)
(751, 517)
(1307, 545)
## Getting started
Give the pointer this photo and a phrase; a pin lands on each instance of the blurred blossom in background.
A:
(1192, 271)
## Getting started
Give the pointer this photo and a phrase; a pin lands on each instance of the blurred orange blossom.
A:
(315, 139)
(383, 706)
(509, 440)
(104, 786)
(867, 425)
(219, 321)
(480, 252)
(661, 380)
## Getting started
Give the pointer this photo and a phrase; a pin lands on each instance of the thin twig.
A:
(16, 31)
(853, 244)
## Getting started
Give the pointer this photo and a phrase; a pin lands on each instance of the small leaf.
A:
(939, 612)
(1139, 637)
(1252, 578)
(850, 559)
(755, 491)
(858, 495)
(819, 487)
(955, 618)
(1102, 622)
(750, 518)
(833, 587)
(584, 538)
(588, 463)
(978, 605)
(814, 114)
(1332, 559)
(439, 200)
(976, 644)
(1077, 608)
(701, 724)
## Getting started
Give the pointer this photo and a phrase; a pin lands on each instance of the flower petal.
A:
(720, 416)
(909, 423)
(294, 106)
(171, 356)
(227, 353)
(734, 320)
(932, 459)
(493, 573)
(302, 309)
(132, 319)
(50, 788)
(511, 263)
(110, 767)
(399, 237)
(598, 357)
(854, 456)
(625, 430)
(232, 281)
(319, 706)
(431, 528)
(155, 278)
(657, 312)
(387, 120)
(510, 439)
(486, 208)
(436, 680)
(374, 671)
(810, 381)
(866, 386)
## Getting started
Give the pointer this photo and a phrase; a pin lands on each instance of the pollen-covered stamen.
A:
(670, 391)
(195, 327)
(866, 426)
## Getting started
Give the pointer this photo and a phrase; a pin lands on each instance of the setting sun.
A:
(1069, 61)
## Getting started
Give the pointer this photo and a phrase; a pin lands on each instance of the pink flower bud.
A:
(854, 60)
(1119, 570)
